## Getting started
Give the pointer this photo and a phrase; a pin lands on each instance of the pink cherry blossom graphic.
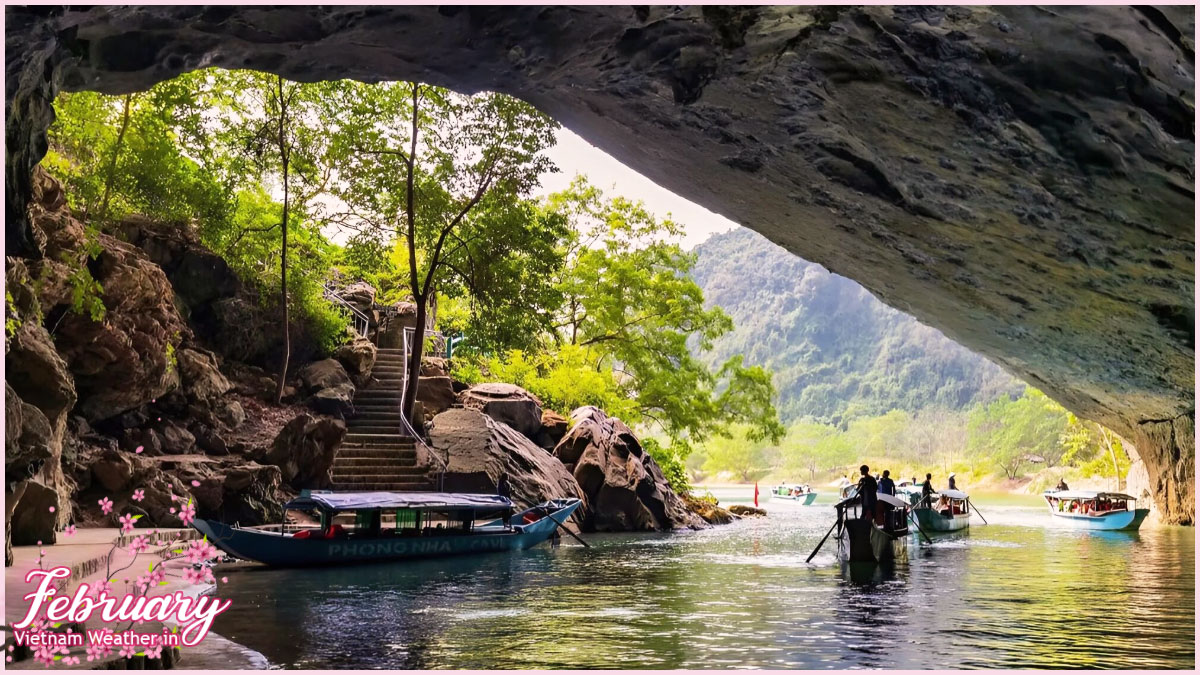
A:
(139, 449)
(140, 543)
(51, 509)
(188, 513)
(70, 530)
(127, 523)
(138, 495)
(94, 651)
(224, 580)
(154, 652)
(195, 483)
(106, 505)
(128, 652)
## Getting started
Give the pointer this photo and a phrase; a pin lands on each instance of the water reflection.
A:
(1012, 594)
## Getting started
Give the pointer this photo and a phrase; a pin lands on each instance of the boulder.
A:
(305, 449)
(436, 393)
(434, 366)
(323, 374)
(176, 440)
(478, 449)
(202, 378)
(251, 495)
(625, 487)
(709, 510)
(231, 414)
(554, 427)
(357, 357)
(746, 510)
(148, 439)
(361, 296)
(337, 400)
(505, 403)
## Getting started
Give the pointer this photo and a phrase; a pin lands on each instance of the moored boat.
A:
(944, 511)
(380, 526)
(1092, 510)
(802, 494)
(881, 539)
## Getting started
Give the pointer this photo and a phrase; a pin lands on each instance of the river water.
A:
(1015, 593)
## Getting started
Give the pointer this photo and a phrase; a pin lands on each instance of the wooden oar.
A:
(972, 505)
(913, 519)
(564, 528)
(818, 548)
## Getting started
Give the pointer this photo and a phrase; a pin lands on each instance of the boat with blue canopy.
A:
(329, 528)
(1093, 510)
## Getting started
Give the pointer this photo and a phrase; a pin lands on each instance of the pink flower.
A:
(44, 654)
(105, 505)
(128, 652)
(127, 523)
(172, 509)
(139, 495)
(94, 651)
(195, 483)
(70, 660)
(224, 580)
(139, 449)
(142, 582)
(70, 530)
(158, 575)
(140, 543)
(51, 509)
(199, 550)
(154, 652)
(188, 513)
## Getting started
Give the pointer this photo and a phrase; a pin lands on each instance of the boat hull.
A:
(1127, 521)
(804, 499)
(933, 521)
(278, 550)
(863, 541)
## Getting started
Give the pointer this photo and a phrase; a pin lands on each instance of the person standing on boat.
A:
(927, 487)
(867, 487)
(886, 485)
(950, 482)
(502, 488)
(1062, 485)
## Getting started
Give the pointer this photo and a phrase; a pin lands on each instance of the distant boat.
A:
(380, 526)
(1090, 510)
(944, 511)
(802, 494)
(881, 539)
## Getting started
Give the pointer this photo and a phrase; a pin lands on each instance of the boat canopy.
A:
(889, 499)
(953, 494)
(1086, 494)
(352, 501)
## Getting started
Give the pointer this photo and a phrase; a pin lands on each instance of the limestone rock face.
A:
(479, 449)
(625, 488)
(505, 403)
(554, 427)
(337, 400)
(304, 450)
(202, 378)
(1018, 178)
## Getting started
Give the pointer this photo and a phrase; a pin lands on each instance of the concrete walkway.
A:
(89, 554)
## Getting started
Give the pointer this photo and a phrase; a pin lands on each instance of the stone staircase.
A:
(376, 454)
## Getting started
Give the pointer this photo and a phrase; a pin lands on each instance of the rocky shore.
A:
(167, 390)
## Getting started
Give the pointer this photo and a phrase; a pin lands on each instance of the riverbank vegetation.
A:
(581, 297)
(1027, 440)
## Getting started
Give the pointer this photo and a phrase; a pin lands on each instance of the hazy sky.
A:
(573, 155)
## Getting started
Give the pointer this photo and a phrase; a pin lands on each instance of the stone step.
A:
(383, 462)
(385, 394)
(373, 484)
(375, 407)
(378, 472)
(369, 428)
(391, 440)
(404, 456)
(381, 416)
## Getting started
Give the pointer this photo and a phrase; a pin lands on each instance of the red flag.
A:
(756, 494)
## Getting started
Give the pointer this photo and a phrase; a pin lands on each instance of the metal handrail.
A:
(404, 420)
(358, 316)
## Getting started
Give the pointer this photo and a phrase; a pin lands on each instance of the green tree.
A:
(1015, 432)
(741, 451)
(813, 447)
(436, 170)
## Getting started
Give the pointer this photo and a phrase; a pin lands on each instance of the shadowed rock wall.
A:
(1018, 177)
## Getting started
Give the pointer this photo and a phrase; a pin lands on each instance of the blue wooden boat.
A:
(1090, 510)
(353, 527)
(801, 494)
(944, 511)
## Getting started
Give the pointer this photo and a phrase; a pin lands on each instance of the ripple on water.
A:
(1011, 594)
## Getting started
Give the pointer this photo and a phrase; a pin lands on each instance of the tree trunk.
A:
(413, 368)
(112, 166)
(284, 156)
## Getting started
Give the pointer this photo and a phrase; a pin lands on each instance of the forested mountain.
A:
(837, 352)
